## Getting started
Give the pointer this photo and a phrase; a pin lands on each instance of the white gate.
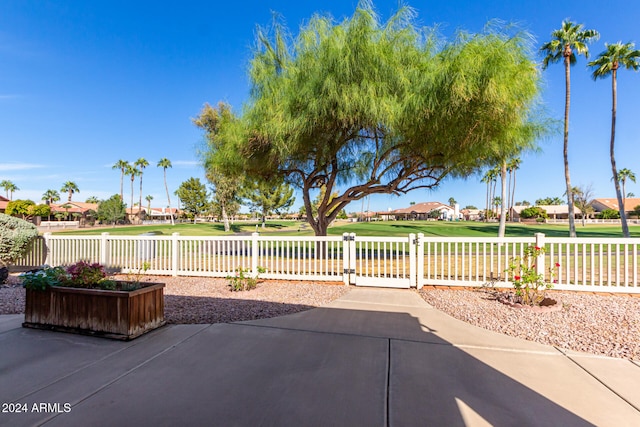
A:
(382, 261)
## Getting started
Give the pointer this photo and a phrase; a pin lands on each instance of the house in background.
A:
(612, 203)
(423, 211)
(3, 204)
(553, 211)
(74, 211)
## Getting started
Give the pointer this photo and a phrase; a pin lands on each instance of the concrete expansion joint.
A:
(573, 358)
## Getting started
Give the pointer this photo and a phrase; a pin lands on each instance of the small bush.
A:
(16, 237)
(242, 281)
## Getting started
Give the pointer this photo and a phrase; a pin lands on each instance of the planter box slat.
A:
(114, 314)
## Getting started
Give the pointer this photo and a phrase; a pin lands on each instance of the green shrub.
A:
(609, 214)
(40, 280)
(16, 237)
(242, 280)
(533, 212)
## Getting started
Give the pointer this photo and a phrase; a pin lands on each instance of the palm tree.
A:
(614, 56)
(489, 178)
(122, 165)
(452, 201)
(165, 163)
(149, 198)
(141, 163)
(132, 171)
(570, 39)
(69, 187)
(512, 166)
(92, 199)
(50, 196)
(625, 174)
(9, 187)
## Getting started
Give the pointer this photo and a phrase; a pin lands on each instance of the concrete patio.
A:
(375, 357)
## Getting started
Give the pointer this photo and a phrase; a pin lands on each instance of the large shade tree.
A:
(616, 55)
(566, 42)
(368, 107)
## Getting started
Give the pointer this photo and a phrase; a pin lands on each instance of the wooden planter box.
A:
(112, 314)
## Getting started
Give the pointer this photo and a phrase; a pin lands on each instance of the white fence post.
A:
(345, 258)
(254, 254)
(420, 262)
(48, 249)
(175, 253)
(413, 268)
(540, 264)
(352, 258)
(104, 249)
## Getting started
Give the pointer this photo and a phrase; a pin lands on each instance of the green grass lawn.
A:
(381, 228)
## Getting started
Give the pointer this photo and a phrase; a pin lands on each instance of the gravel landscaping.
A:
(600, 324)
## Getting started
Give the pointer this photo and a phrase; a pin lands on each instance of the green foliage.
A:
(112, 210)
(549, 201)
(267, 197)
(370, 107)
(529, 285)
(16, 237)
(533, 212)
(609, 214)
(40, 280)
(636, 211)
(19, 208)
(243, 280)
(193, 195)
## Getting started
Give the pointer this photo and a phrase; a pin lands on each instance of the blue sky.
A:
(84, 84)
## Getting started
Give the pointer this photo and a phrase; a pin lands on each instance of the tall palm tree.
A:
(132, 172)
(512, 166)
(50, 196)
(490, 179)
(625, 174)
(69, 187)
(9, 187)
(615, 56)
(570, 39)
(141, 163)
(165, 163)
(149, 198)
(122, 166)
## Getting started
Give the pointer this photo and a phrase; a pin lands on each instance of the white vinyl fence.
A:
(605, 265)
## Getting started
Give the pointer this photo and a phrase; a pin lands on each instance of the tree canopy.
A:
(193, 195)
(112, 210)
(366, 107)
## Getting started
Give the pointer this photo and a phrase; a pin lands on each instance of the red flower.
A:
(557, 264)
(517, 277)
(537, 248)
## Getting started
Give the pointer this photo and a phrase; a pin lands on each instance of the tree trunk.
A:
(623, 215)
(572, 217)
(513, 196)
(225, 219)
(503, 193)
(486, 211)
(166, 188)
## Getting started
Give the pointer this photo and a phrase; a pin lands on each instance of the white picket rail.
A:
(603, 264)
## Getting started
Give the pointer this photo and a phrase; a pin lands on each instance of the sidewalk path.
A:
(374, 357)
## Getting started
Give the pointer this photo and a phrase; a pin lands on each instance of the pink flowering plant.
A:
(530, 285)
